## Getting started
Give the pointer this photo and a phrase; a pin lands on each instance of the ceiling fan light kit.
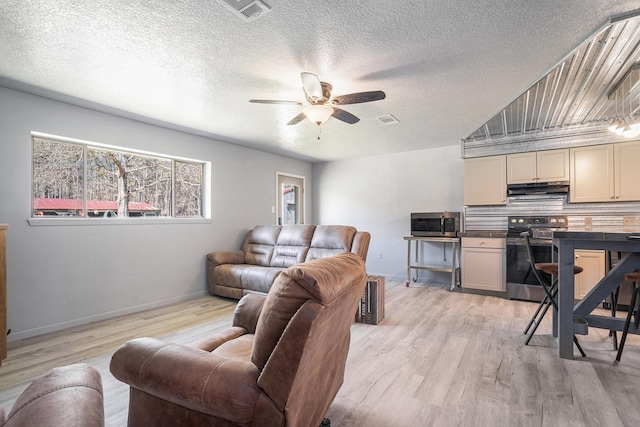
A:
(318, 114)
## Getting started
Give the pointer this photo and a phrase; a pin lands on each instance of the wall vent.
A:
(248, 10)
(388, 119)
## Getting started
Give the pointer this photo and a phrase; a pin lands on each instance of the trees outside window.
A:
(83, 180)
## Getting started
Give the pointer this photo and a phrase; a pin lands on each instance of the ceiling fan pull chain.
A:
(319, 131)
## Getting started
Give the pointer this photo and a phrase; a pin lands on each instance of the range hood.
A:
(533, 188)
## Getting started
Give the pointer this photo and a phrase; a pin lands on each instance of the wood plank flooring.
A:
(437, 359)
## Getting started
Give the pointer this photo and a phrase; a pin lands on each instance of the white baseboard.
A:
(29, 333)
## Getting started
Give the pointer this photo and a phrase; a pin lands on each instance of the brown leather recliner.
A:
(280, 364)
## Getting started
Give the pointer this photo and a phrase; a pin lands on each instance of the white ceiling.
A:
(446, 66)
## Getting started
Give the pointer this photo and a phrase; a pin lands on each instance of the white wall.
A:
(60, 276)
(378, 194)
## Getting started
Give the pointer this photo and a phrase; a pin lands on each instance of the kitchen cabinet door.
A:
(592, 177)
(627, 171)
(538, 166)
(521, 168)
(484, 264)
(485, 181)
(594, 265)
(553, 165)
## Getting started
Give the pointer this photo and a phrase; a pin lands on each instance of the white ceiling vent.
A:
(248, 10)
(388, 119)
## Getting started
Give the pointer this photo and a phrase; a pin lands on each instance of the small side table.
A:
(371, 307)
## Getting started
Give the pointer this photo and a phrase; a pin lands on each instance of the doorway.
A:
(290, 199)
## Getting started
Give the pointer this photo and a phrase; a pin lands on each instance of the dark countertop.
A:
(605, 233)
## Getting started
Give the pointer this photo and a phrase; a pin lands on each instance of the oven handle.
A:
(633, 237)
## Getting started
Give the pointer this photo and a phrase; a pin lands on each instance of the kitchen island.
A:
(571, 318)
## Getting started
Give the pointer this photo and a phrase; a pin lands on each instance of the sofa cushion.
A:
(330, 240)
(292, 245)
(259, 243)
(259, 279)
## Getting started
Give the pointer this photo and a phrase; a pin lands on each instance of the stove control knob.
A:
(521, 220)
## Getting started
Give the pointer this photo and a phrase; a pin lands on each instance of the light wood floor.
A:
(437, 359)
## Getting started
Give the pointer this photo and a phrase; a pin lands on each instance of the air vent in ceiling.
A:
(388, 119)
(248, 10)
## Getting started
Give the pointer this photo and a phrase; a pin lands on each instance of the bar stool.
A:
(634, 278)
(550, 290)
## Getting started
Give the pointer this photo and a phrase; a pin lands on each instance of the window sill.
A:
(113, 221)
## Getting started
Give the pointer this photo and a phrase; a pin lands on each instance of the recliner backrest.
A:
(303, 332)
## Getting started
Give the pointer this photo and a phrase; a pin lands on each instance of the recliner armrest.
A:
(247, 311)
(226, 257)
(65, 396)
(189, 377)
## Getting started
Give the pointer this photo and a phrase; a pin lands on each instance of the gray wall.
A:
(378, 193)
(60, 276)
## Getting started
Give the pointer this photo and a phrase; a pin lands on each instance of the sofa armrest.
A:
(360, 244)
(247, 312)
(189, 377)
(226, 257)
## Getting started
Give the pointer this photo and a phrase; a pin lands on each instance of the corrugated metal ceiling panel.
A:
(575, 93)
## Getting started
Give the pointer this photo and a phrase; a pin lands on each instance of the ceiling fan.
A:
(322, 105)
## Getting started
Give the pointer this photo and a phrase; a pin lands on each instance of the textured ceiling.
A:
(446, 67)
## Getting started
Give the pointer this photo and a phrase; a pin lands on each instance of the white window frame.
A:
(75, 221)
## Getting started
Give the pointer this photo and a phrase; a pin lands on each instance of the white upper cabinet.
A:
(605, 173)
(539, 166)
(627, 171)
(592, 174)
(485, 181)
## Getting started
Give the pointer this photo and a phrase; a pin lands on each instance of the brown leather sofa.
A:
(69, 396)
(281, 363)
(268, 249)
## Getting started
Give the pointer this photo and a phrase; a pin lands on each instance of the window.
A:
(86, 180)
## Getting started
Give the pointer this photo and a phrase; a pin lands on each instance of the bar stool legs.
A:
(634, 278)
(550, 291)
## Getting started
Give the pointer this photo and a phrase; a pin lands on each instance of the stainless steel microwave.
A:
(434, 224)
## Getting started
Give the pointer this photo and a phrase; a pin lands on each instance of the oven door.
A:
(521, 282)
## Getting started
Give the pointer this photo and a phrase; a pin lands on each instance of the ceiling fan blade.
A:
(311, 85)
(344, 116)
(359, 97)
(297, 119)
(274, 101)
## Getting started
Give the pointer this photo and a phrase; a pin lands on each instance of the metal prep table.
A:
(454, 269)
